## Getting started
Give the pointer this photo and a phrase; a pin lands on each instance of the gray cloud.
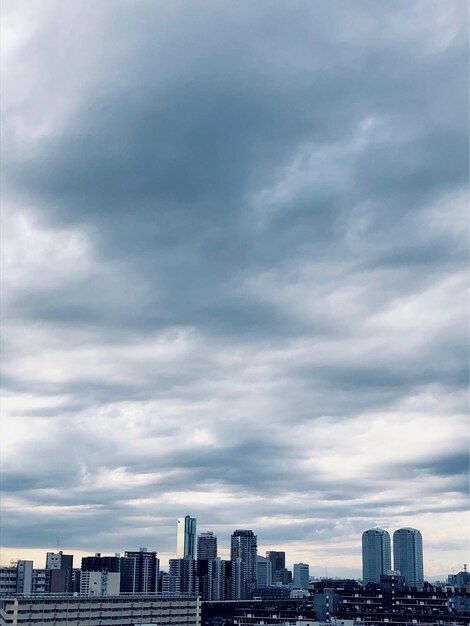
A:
(235, 271)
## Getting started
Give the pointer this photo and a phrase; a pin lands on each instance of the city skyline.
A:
(235, 275)
(376, 550)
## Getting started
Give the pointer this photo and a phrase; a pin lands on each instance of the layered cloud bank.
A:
(235, 274)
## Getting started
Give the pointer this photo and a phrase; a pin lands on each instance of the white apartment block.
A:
(100, 611)
(100, 583)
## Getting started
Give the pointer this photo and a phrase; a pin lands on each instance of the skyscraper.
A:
(139, 572)
(207, 546)
(186, 538)
(243, 555)
(376, 554)
(408, 555)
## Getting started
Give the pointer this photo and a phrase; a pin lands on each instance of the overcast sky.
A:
(235, 275)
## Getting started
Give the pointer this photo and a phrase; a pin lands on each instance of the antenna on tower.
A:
(464, 567)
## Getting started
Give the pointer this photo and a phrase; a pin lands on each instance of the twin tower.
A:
(407, 555)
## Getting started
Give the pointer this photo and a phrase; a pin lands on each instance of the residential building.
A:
(183, 575)
(376, 554)
(186, 538)
(139, 572)
(243, 555)
(105, 611)
(100, 563)
(102, 583)
(59, 560)
(60, 566)
(408, 556)
(207, 546)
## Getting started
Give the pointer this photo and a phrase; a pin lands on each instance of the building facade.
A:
(263, 572)
(186, 538)
(243, 553)
(301, 576)
(99, 584)
(376, 554)
(207, 546)
(100, 563)
(408, 556)
(105, 611)
(139, 572)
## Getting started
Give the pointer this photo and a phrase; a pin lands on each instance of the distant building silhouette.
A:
(301, 576)
(278, 560)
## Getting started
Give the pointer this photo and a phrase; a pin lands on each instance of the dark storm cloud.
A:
(242, 267)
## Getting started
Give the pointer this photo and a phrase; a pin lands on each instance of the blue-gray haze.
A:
(235, 274)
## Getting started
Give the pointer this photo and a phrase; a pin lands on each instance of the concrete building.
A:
(24, 577)
(99, 563)
(105, 611)
(41, 581)
(99, 584)
(183, 575)
(207, 546)
(376, 554)
(59, 560)
(186, 538)
(60, 566)
(139, 572)
(301, 576)
(222, 583)
(8, 580)
(243, 553)
(408, 556)
(263, 572)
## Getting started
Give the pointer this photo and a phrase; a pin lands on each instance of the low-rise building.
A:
(105, 611)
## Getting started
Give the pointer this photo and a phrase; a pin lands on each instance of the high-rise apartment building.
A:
(243, 553)
(301, 576)
(139, 572)
(186, 538)
(183, 575)
(100, 563)
(376, 554)
(408, 556)
(207, 546)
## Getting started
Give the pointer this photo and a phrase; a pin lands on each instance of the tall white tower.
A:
(186, 538)
(376, 554)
